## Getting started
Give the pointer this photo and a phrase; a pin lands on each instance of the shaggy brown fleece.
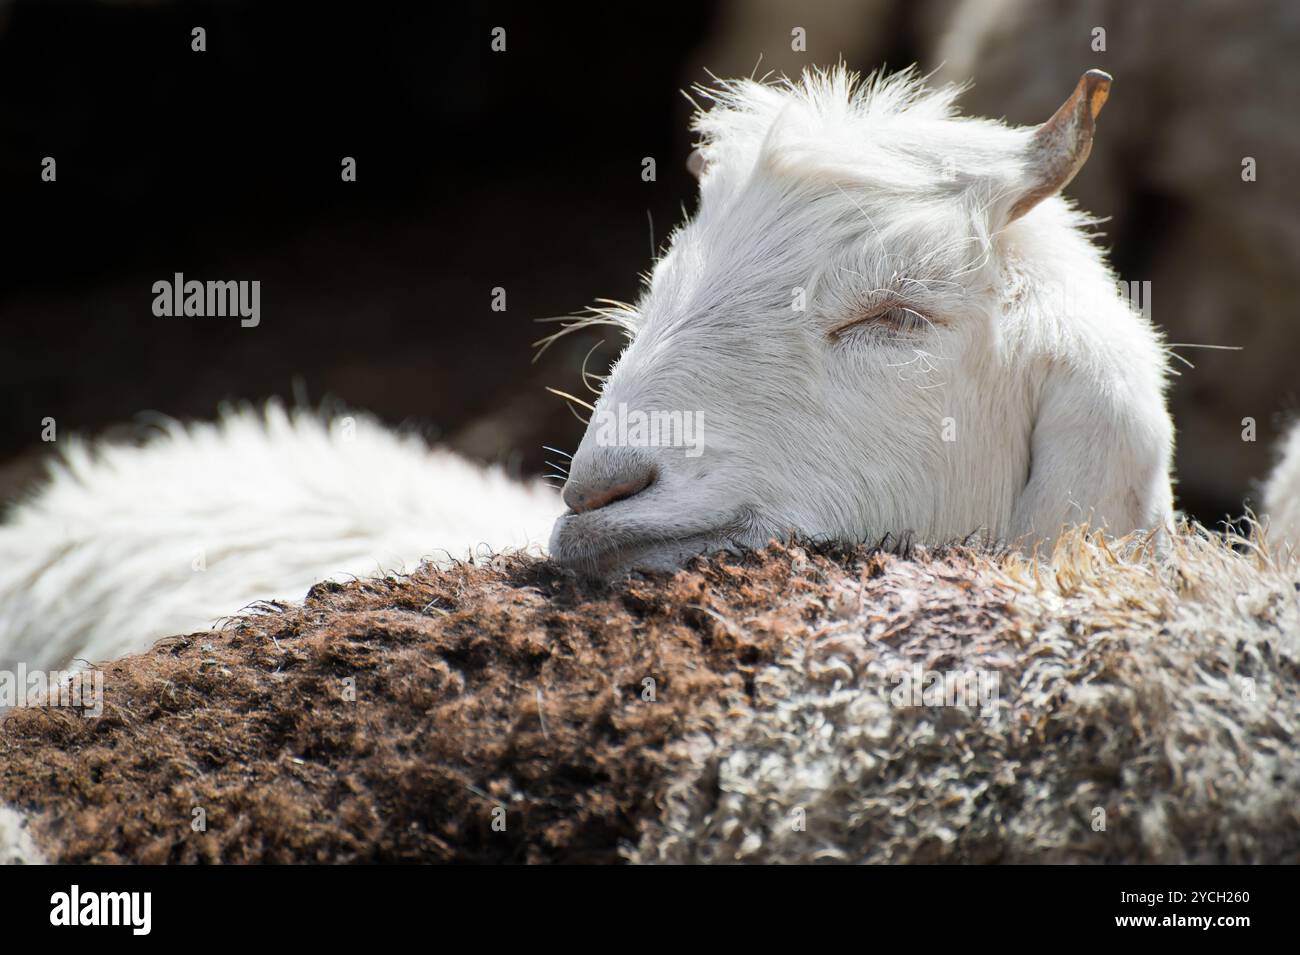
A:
(477, 688)
(743, 709)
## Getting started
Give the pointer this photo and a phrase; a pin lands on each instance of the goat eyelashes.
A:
(889, 321)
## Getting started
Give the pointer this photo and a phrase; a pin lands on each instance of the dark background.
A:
(475, 170)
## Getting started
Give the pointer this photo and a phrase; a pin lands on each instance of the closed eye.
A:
(895, 319)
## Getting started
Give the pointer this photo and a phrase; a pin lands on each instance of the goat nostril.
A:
(617, 490)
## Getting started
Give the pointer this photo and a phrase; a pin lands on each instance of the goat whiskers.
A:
(576, 400)
(610, 312)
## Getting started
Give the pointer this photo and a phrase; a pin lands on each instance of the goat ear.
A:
(1127, 487)
(1059, 148)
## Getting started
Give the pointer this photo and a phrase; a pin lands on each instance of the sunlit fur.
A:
(126, 544)
(1017, 345)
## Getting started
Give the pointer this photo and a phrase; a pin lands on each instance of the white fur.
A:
(1282, 495)
(1050, 386)
(128, 544)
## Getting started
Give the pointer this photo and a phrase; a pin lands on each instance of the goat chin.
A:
(125, 544)
(608, 552)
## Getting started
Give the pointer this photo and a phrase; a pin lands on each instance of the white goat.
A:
(889, 323)
(883, 316)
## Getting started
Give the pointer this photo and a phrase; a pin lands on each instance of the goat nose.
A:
(607, 482)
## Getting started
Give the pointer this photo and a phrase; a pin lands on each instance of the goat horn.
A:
(695, 163)
(1059, 148)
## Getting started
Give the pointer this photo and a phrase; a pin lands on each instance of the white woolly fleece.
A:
(125, 545)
